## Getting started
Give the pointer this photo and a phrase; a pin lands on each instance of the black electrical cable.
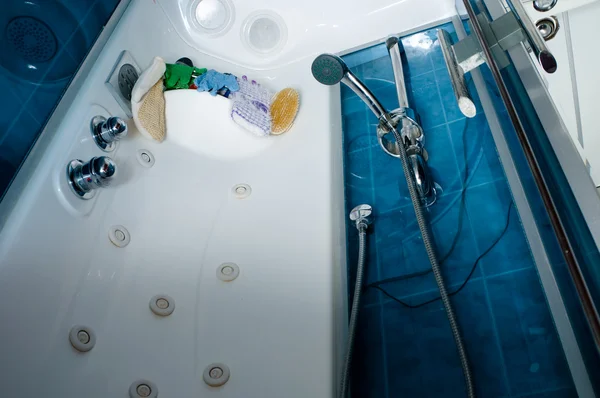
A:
(454, 242)
(473, 268)
(460, 222)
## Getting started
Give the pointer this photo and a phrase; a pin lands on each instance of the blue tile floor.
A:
(508, 330)
(38, 57)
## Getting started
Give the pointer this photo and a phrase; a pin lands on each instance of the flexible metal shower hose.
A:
(362, 243)
(428, 242)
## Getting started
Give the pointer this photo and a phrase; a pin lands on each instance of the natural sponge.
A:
(152, 112)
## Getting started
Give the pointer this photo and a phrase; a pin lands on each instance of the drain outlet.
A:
(127, 78)
(121, 80)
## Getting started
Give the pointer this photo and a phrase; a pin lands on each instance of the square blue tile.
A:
(428, 104)
(357, 178)
(378, 68)
(417, 53)
(19, 139)
(385, 92)
(474, 136)
(481, 341)
(488, 207)
(358, 133)
(42, 104)
(11, 105)
(368, 364)
(389, 184)
(421, 354)
(454, 239)
(442, 159)
(532, 351)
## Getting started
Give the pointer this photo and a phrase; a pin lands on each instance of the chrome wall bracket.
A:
(413, 137)
(500, 35)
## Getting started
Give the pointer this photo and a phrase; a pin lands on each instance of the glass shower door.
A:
(555, 179)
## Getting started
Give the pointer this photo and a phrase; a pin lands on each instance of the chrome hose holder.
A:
(362, 215)
(410, 131)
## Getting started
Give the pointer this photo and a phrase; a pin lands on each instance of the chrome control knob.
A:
(106, 132)
(544, 5)
(361, 215)
(84, 178)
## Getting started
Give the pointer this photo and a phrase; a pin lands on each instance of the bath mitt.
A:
(148, 102)
(181, 76)
(213, 81)
(251, 105)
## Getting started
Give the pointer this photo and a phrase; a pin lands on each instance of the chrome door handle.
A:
(538, 45)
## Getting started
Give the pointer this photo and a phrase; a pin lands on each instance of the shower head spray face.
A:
(329, 69)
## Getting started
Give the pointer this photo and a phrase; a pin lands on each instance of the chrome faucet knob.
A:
(84, 178)
(361, 215)
(106, 132)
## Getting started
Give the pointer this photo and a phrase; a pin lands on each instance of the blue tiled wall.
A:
(32, 84)
(508, 329)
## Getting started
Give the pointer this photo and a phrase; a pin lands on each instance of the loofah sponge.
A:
(152, 112)
(148, 94)
(284, 108)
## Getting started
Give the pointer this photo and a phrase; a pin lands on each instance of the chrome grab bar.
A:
(538, 45)
(589, 308)
(457, 75)
(499, 36)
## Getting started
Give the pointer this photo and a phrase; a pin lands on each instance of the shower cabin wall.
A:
(500, 303)
(42, 43)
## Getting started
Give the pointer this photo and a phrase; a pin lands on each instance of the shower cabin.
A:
(440, 239)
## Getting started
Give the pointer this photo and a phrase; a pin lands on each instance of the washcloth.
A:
(181, 76)
(148, 102)
(213, 81)
(251, 107)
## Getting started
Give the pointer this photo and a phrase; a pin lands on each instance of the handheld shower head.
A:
(329, 69)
